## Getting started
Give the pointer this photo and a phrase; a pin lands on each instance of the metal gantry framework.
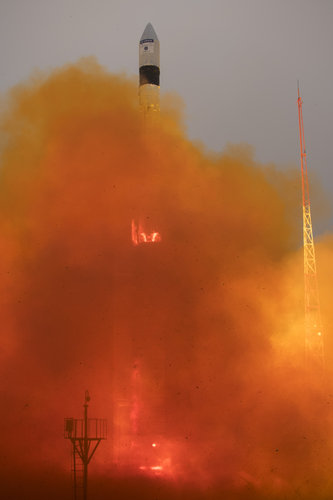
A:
(85, 435)
(314, 344)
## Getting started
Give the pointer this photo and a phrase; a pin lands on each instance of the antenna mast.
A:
(314, 345)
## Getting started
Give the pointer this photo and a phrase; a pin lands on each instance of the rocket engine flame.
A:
(213, 313)
(139, 235)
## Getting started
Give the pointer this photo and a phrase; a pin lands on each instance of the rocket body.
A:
(149, 70)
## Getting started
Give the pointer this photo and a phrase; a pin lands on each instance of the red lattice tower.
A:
(314, 345)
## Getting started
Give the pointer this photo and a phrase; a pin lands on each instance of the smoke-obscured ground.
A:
(194, 343)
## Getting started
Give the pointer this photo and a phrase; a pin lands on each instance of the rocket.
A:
(142, 230)
(149, 70)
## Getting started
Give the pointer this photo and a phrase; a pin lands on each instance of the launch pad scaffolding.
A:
(85, 435)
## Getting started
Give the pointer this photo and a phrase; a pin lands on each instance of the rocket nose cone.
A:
(149, 33)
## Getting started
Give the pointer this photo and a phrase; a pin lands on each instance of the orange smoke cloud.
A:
(194, 343)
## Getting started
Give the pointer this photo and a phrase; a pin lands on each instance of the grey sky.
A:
(234, 62)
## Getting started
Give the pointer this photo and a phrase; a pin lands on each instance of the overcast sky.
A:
(235, 63)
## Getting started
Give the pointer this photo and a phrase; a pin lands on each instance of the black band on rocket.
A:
(149, 74)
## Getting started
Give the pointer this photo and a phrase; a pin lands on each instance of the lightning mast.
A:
(314, 345)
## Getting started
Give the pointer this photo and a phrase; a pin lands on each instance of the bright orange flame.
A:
(141, 236)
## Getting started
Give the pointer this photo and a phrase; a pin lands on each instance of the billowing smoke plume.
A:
(195, 341)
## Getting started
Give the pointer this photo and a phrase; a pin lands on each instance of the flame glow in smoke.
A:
(211, 316)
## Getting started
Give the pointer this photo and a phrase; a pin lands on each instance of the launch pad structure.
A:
(85, 435)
